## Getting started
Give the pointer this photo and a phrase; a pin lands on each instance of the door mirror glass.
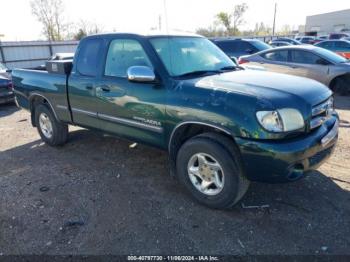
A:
(141, 74)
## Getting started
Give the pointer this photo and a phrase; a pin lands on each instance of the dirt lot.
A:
(96, 195)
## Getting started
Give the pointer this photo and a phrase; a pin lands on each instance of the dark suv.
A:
(235, 48)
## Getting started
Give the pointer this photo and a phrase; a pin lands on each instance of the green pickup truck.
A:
(222, 126)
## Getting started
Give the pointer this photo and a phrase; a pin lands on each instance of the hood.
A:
(274, 87)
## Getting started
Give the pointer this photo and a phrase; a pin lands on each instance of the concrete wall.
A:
(328, 22)
(28, 54)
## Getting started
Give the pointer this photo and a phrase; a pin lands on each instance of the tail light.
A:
(242, 61)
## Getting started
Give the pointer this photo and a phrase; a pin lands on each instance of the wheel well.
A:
(332, 83)
(184, 133)
(34, 102)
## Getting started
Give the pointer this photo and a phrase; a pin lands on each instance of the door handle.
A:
(89, 87)
(104, 88)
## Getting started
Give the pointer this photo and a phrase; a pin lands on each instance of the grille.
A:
(321, 112)
(317, 158)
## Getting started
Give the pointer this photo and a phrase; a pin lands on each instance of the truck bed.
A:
(51, 86)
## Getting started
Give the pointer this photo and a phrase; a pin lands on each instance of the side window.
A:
(342, 45)
(245, 46)
(89, 57)
(278, 56)
(303, 57)
(327, 44)
(122, 54)
(227, 46)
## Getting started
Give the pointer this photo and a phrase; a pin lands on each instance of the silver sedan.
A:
(306, 61)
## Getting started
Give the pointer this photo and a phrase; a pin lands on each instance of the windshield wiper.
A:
(200, 73)
(228, 68)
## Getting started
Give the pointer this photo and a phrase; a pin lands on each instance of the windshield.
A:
(2, 67)
(183, 55)
(260, 45)
(331, 56)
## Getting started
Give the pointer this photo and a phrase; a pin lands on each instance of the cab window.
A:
(122, 54)
(89, 54)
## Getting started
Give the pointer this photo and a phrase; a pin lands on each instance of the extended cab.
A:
(222, 126)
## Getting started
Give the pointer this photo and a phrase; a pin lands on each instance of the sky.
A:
(17, 23)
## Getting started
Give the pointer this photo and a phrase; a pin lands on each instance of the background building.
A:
(328, 23)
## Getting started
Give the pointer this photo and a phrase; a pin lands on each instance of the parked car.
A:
(55, 57)
(279, 43)
(288, 40)
(305, 39)
(235, 48)
(319, 39)
(307, 61)
(333, 36)
(6, 92)
(222, 126)
(341, 47)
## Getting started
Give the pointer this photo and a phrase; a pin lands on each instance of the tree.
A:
(285, 30)
(210, 32)
(49, 13)
(232, 21)
(238, 14)
(86, 28)
(262, 29)
(225, 19)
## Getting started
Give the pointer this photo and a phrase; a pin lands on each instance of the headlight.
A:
(282, 120)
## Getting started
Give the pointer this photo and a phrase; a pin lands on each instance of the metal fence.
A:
(29, 54)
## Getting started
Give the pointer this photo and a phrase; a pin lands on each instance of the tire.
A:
(55, 135)
(219, 149)
(342, 86)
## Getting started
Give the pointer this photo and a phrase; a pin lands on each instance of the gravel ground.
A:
(97, 195)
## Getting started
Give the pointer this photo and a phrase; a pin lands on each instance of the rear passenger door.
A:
(82, 82)
(307, 64)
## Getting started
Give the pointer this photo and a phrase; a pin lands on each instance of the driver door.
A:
(131, 109)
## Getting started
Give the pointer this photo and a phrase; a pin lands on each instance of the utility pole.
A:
(274, 21)
(2, 55)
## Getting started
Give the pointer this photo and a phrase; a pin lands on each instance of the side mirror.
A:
(142, 74)
(234, 59)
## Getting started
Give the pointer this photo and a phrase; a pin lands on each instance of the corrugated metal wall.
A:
(30, 54)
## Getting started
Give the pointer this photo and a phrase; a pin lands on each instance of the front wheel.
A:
(209, 166)
(51, 131)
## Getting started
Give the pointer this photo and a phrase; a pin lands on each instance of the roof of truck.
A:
(151, 33)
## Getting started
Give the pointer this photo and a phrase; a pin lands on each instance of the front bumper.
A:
(7, 97)
(284, 161)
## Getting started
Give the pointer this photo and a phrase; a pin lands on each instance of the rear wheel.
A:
(209, 166)
(51, 131)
